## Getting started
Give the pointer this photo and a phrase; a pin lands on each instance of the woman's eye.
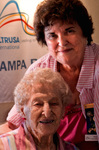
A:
(53, 104)
(70, 31)
(38, 104)
(51, 36)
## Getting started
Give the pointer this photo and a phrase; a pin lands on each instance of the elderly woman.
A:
(40, 97)
(66, 28)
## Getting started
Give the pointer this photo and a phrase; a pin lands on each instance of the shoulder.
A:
(10, 133)
(8, 140)
(92, 53)
(1, 145)
(96, 53)
(43, 62)
(4, 141)
(95, 48)
(92, 49)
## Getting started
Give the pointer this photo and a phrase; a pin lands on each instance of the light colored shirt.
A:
(88, 83)
(21, 139)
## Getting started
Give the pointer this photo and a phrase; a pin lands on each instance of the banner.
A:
(18, 46)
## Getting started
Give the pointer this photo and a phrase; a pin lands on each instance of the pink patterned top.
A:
(73, 127)
(21, 139)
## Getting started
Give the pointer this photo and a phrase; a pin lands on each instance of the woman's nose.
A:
(62, 41)
(46, 110)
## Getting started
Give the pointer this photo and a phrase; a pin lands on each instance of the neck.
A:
(41, 142)
(68, 68)
(45, 143)
(70, 75)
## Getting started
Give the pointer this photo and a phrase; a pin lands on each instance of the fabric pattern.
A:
(21, 139)
(88, 82)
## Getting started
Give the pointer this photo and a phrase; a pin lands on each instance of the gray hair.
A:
(25, 87)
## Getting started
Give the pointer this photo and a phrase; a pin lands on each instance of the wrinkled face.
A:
(66, 43)
(44, 110)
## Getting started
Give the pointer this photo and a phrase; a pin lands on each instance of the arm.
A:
(96, 104)
(1, 145)
(6, 127)
(13, 121)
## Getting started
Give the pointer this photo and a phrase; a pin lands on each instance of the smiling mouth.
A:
(65, 50)
(47, 121)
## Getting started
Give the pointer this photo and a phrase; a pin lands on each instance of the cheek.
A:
(80, 41)
(51, 46)
(75, 40)
(35, 116)
(59, 113)
(32, 121)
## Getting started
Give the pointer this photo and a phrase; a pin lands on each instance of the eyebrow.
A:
(35, 100)
(46, 30)
(52, 33)
(69, 28)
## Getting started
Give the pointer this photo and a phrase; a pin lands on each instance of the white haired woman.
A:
(40, 98)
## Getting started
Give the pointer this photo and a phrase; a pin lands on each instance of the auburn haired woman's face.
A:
(66, 42)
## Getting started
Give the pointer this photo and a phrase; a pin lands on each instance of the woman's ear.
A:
(22, 113)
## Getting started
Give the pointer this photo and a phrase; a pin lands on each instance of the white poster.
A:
(18, 46)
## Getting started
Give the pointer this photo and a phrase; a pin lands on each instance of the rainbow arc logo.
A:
(17, 16)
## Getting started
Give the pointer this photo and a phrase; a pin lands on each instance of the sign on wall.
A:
(18, 46)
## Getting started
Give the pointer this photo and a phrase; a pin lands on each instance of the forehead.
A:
(59, 24)
(46, 90)
(44, 87)
(45, 94)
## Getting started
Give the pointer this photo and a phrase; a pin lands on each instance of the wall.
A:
(93, 9)
(18, 47)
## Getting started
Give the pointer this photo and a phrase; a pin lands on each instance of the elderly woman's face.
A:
(66, 42)
(44, 110)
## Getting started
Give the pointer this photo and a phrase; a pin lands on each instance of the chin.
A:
(47, 132)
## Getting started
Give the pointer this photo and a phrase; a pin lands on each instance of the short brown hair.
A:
(66, 10)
